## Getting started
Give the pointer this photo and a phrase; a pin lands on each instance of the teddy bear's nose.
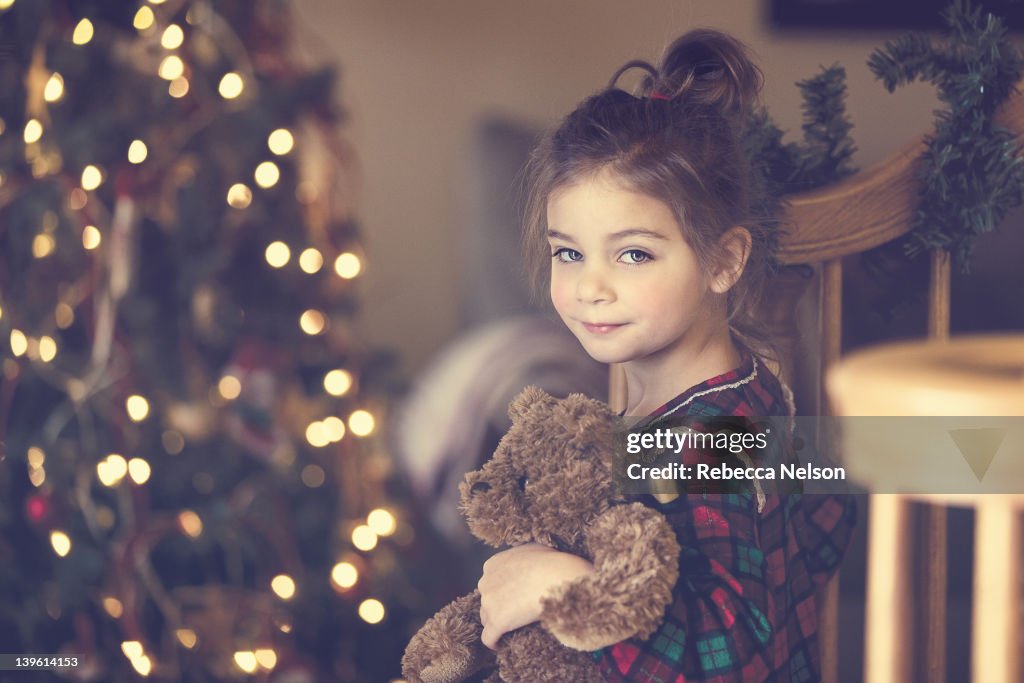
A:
(480, 487)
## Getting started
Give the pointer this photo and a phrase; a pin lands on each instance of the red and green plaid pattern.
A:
(744, 607)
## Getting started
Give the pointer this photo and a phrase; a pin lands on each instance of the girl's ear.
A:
(733, 252)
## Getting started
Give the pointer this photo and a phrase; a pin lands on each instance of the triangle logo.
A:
(978, 447)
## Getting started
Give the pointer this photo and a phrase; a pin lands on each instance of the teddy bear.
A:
(550, 482)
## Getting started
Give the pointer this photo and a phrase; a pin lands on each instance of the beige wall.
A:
(417, 75)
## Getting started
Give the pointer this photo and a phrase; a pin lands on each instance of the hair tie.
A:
(657, 95)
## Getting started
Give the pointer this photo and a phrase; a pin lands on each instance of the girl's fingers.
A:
(489, 639)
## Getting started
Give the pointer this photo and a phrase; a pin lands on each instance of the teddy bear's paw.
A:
(453, 666)
(444, 662)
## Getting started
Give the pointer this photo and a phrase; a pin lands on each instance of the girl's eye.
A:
(636, 256)
(566, 255)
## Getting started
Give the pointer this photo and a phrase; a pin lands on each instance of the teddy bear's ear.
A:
(527, 399)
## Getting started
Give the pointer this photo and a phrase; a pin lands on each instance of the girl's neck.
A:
(652, 382)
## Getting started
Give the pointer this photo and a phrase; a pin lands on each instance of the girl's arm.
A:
(514, 581)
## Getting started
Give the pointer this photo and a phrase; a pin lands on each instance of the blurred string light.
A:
(5, 4)
(19, 343)
(132, 649)
(137, 407)
(92, 177)
(280, 141)
(311, 261)
(347, 265)
(278, 254)
(338, 382)
(190, 523)
(83, 32)
(35, 456)
(371, 611)
(246, 661)
(43, 245)
(229, 387)
(364, 538)
(316, 434)
(283, 586)
(54, 88)
(344, 575)
(77, 199)
(187, 637)
(111, 469)
(139, 470)
(231, 85)
(267, 174)
(37, 476)
(361, 423)
(144, 18)
(171, 68)
(266, 658)
(250, 660)
(312, 322)
(137, 152)
(60, 542)
(178, 88)
(91, 237)
(334, 428)
(64, 315)
(172, 37)
(382, 522)
(47, 348)
(113, 606)
(33, 131)
(239, 196)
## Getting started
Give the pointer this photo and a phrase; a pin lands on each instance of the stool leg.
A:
(889, 647)
(996, 646)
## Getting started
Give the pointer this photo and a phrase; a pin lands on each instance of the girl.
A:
(642, 207)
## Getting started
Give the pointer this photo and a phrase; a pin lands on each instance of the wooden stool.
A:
(980, 377)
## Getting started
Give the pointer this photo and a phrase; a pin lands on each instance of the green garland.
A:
(823, 157)
(972, 172)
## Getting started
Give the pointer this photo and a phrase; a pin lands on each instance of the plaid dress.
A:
(744, 608)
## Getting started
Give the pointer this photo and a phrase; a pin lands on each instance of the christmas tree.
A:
(193, 486)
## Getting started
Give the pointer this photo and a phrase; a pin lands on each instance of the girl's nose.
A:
(594, 286)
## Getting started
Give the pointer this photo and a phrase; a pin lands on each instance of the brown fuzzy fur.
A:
(550, 482)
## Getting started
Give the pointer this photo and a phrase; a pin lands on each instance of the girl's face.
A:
(623, 279)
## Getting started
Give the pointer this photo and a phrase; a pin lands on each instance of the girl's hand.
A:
(515, 580)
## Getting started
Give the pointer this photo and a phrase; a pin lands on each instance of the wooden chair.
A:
(864, 211)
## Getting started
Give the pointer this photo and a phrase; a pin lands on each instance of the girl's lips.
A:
(601, 328)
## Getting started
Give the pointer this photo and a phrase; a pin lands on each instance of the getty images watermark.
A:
(821, 455)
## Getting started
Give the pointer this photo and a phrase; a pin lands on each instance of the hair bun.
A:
(708, 67)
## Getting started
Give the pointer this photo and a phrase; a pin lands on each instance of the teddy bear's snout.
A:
(480, 487)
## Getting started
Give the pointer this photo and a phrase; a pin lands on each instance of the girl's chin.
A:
(603, 354)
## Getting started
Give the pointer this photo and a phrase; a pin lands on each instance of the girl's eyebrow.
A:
(615, 236)
(555, 235)
(637, 232)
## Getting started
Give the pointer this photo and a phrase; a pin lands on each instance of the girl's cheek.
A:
(560, 294)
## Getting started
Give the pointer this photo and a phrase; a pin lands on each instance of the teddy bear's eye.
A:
(523, 481)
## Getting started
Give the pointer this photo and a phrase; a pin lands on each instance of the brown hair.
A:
(678, 140)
